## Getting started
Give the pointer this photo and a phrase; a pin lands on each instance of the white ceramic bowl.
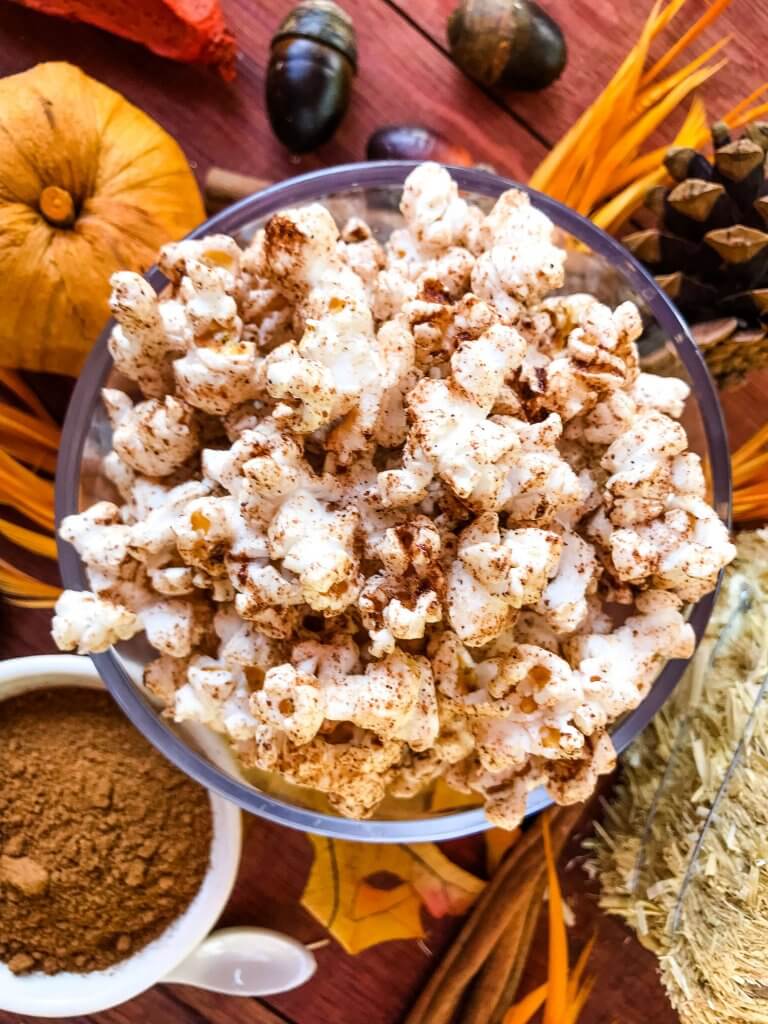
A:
(67, 994)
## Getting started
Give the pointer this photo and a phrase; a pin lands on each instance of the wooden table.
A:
(405, 75)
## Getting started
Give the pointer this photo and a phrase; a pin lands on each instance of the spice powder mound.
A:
(103, 843)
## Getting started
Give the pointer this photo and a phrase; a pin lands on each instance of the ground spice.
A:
(103, 843)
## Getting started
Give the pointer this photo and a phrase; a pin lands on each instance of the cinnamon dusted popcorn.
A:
(378, 507)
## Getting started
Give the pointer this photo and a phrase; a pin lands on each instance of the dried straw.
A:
(710, 936)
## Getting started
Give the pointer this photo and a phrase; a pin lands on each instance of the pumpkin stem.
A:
(57, 206)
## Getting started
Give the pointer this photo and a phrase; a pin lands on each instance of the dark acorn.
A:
(511, 43)
(312, 63)
(412, 142)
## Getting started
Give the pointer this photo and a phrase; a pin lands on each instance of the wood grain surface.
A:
(598, 34)
(405, 75)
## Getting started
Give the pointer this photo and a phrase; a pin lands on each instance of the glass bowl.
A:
(596, 263)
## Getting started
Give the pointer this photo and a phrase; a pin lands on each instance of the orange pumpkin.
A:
(89, 184)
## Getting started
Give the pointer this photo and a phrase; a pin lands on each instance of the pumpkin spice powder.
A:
(103, 843)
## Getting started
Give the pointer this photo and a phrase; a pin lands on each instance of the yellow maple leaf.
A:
(359, 914)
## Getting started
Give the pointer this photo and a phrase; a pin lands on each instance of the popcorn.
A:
(519, 263)
(451, 433)
(400, 602)
(563, 602)
(585, 352)
(215, 696)
(89, 623)
(290, 701)
(335, 366)
(390, 514)
(539, 485)
(154, 438)
(435, 216)
(495, 574)
(147, 334)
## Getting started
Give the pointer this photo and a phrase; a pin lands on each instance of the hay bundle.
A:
(684, 854)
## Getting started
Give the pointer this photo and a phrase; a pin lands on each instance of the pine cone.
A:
(709, 251)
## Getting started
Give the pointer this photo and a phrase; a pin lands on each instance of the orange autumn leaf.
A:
(443, 886)
(340, 892)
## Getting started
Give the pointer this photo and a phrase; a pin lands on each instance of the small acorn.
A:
(413, 142)
(312, 63)
(510, 43)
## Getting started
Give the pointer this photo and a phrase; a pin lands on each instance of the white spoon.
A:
(246, 962)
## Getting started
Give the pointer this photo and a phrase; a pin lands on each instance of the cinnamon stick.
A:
(514, 972)
(490, 917)
(223, 187)
(504, 966)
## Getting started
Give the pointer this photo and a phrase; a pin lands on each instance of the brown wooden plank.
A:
(402, 77)
(216, 1009)
(599, 33)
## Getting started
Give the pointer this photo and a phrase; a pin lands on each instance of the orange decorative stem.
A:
(57, 206)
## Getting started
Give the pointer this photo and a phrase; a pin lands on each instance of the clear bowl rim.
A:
(315, 185)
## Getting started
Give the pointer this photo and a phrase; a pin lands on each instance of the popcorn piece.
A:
(362, 252)
(290, 701)
(398, 603)
(683, 550)
(353, 769)
(574, 780)
(540, 487)
(147, 334)
(219, 254)
(520, 262)
(89, 623)
(164, 676)
(102, 542)
(335, 366)
(451, 434)
(496, 574)
(173, 580)
(640, 459)
(664, 394)
(243, 646)
(210, 531)
(454, 743)
(154, 438)
(278, 489)
(617, 668)
(175, 626)
(435, 215)
(563, 602)
(219, 369)
(318, 546)
(658, 529)
(152, 512)
(394, 699)
(581, 351)
(217, 697)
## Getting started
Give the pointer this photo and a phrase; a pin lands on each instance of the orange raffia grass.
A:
(749, 466)
(19, 588)
(563, 996)
(598, 166)
(29, 441)
(522, 1012)
(557, 994)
